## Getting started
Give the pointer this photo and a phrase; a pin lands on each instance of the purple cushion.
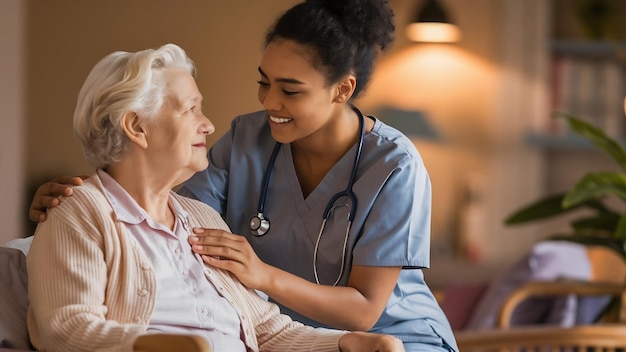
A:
(548, 261)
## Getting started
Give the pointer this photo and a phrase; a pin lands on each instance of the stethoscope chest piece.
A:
(259, 225)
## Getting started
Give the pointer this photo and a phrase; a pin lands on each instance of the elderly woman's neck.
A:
(147, 189)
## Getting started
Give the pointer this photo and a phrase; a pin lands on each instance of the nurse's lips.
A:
(200, 145)
(276, 119)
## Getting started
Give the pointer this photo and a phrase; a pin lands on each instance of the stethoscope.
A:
(259, 225)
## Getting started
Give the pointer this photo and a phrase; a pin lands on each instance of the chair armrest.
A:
(531, 338)
(160, 343)
(555, 288)
(171, 342)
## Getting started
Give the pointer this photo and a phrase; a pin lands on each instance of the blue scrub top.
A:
(391, 226)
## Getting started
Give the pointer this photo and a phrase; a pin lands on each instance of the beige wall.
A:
(12, 34)
(67, 37)
(459, 86)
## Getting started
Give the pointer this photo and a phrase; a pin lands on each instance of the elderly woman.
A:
(113, 263)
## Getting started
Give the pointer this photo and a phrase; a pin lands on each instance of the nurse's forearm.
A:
(355, 307)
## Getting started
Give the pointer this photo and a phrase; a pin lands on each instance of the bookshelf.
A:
(587, 81)
(585, 76)
(587, 71)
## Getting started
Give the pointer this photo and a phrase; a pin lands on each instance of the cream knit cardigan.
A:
(92, 289)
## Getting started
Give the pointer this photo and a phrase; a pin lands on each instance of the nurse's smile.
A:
(279, 120)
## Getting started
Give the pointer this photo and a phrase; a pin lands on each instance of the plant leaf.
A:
(597, 137)
(594, 186)
(600, 207)
(620, 229)
(540, 209)
(551, 206)
(606, 222)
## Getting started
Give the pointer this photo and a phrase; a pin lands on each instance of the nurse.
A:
(330, 209)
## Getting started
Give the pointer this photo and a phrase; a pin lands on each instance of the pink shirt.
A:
(186, 302)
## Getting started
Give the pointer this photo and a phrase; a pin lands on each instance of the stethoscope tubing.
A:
(348, 191)
(266, 177)
(259, 225)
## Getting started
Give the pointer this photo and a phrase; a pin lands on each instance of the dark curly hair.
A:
(345, 35)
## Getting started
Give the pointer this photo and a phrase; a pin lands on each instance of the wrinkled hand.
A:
(369, 342)
(49, 195)
(231, 252)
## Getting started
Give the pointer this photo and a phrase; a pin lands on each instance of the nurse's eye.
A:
(263, 84)
(290, 92)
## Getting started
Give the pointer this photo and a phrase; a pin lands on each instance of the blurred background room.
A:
(481, 105)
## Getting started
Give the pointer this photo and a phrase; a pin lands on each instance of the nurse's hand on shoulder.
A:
(369, 342)
(50, 195)
(231, 252)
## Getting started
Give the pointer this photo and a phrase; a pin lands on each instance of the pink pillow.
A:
(459, 301)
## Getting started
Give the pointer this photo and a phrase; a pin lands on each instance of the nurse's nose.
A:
(271, 99)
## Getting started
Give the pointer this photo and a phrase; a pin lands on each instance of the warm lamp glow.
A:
(433, 24)
(433, 32)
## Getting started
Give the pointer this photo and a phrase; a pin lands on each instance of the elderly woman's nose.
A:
(207, 127)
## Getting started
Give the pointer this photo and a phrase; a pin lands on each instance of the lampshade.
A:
(432, 24)
(413, 123)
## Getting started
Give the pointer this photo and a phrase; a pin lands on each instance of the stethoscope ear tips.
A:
(259, 225)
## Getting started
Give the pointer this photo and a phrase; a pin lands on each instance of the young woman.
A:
(330, 209)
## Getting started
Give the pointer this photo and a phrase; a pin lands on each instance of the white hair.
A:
(119, 83)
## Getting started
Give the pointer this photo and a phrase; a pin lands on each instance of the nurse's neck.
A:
(315, 155)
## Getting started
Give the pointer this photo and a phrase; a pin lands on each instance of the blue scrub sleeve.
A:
(397, 229)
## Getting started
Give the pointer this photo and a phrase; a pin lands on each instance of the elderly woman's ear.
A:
(133, 129)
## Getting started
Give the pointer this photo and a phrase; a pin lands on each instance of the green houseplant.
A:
(605, 226)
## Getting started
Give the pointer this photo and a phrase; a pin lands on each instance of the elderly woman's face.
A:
(177, 135)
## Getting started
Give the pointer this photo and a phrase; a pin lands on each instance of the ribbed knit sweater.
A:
(92, 289)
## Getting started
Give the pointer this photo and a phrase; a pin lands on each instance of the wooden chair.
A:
(608, 335)
(168, 343)
(601, 338)
(160, 343)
